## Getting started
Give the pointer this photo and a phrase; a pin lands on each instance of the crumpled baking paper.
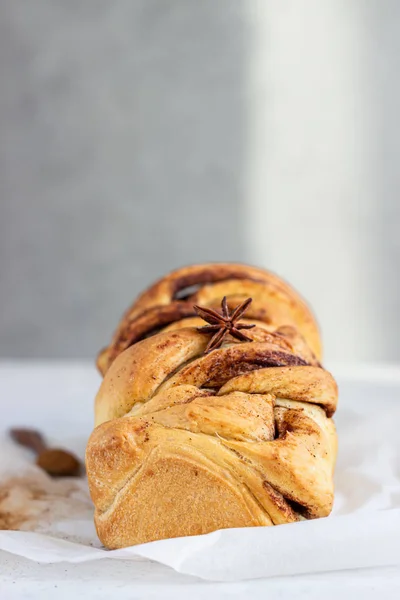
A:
(363, 530)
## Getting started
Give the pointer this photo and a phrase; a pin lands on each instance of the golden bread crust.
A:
(186, 442)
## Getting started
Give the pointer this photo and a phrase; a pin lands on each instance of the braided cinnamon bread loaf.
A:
(187, 441)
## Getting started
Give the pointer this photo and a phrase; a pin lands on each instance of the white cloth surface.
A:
(363, 531)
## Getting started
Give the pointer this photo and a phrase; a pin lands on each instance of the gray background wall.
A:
(137, 136)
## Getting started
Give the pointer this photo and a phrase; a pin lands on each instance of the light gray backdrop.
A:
(140, 135)
(122, 139)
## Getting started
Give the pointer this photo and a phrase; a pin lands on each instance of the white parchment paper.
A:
(55, 517)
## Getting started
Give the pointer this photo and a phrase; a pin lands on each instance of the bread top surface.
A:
(175, 357)
(170, 303)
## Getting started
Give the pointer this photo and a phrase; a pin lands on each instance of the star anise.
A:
(223, 324)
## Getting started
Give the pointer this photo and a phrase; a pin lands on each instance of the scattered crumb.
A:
(36, 502)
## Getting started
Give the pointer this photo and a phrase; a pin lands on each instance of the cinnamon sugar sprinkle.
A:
(35, 502)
